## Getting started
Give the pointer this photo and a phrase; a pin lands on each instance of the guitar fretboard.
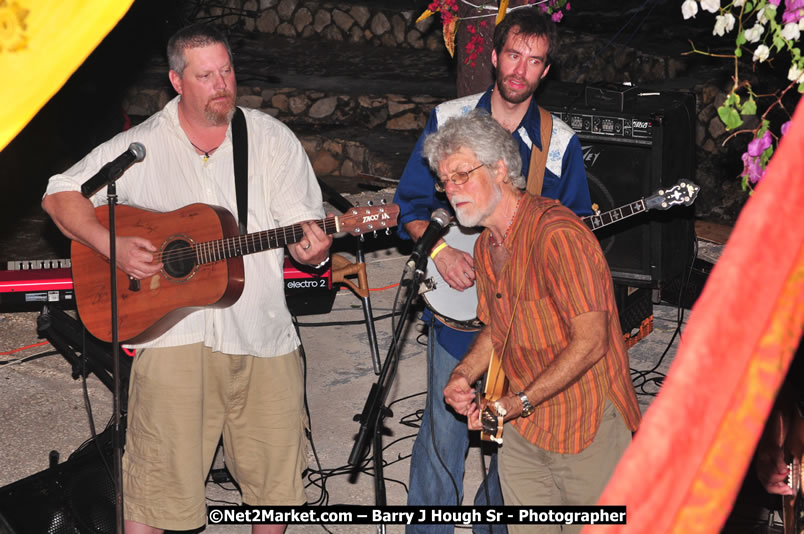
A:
(241, 245)
(595, 222)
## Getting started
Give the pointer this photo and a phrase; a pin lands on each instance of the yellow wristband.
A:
(438, 249)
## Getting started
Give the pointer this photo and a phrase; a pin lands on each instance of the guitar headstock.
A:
(361, 220)
(491, 422)
(683, 193)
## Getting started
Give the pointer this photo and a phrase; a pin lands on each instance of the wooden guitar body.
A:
(149, 308)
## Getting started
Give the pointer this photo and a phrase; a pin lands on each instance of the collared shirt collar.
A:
(531, 121)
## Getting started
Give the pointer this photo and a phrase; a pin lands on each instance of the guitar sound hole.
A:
(178, 258)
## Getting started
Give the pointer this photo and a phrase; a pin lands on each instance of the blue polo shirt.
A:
(564, 180)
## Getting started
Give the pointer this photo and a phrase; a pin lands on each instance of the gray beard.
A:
(479, 217)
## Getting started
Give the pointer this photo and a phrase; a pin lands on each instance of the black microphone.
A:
(438, 221)
(114, 169)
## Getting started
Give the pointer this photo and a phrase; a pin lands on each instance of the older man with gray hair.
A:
(545, 296)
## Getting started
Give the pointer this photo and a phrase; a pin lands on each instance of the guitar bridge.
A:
(133, 284)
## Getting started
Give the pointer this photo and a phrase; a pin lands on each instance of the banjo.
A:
(457, 308)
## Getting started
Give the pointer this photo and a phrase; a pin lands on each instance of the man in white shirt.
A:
(234, 370)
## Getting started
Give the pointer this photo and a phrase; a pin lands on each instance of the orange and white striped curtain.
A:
(42, 42)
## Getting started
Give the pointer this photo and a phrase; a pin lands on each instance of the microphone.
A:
(438, 221)
(113, 170)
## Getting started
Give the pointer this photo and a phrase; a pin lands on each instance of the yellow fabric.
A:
(42, 43)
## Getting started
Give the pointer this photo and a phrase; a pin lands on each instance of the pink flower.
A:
(567, 7)
(794, 10)
(758, 146)
(752, 169)
(557, 16)
(785, 127)
(775, 2)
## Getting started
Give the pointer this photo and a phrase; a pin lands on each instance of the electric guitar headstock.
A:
(366, 219)
(681, 194)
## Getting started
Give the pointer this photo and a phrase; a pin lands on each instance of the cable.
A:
(345, 323)
(19, 361)
(33, 345)
(641, 379)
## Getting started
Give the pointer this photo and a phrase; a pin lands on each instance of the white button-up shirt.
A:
(282, 190)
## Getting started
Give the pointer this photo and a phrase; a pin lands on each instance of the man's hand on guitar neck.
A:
(313, 248)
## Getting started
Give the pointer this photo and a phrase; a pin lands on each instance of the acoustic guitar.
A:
(201, 250)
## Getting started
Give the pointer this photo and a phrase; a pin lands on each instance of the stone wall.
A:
(582, 58)
(334, 21)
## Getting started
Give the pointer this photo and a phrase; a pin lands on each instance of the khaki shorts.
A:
(180, 401)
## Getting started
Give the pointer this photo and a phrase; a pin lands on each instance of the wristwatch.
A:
(527, 407)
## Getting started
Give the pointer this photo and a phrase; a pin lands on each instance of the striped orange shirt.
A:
(565, 275)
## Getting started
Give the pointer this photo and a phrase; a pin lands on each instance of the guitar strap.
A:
(513, 311)
(538, 158)
(240, 157)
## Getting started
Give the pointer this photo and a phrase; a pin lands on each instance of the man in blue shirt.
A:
(523, 43)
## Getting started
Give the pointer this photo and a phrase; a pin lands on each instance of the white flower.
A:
(752, 35)
(801, 24)
(761, 18)
(761, 53)
(712, 6)
(795, 74)
(791, 31)
(723, 24)
(739, 3)
(689, 9)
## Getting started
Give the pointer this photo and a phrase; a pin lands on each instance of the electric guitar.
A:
(201, 250)
(458, 308)
(495, 386)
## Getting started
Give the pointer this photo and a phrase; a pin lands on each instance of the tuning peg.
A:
(375, 234)
(370, 203)
(387, 231)
(383, 202)
(362, 238)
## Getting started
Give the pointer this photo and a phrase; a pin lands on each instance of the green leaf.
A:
(750, 107)
(741, 38)
(778, 42)
(738, 52)
(748, 7)
(729, 116)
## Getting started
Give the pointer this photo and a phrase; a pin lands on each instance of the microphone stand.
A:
(117, 439)
(117, 436)
(374, 410)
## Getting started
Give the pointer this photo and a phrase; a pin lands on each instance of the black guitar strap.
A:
(240, 157)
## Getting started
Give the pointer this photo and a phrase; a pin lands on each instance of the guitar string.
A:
(216, 247)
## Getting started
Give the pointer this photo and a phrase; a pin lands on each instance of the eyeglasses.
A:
(458, 178)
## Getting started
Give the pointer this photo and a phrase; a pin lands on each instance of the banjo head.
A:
(456, 308)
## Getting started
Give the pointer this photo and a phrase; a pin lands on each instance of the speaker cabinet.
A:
(75, 497)
(642, 144)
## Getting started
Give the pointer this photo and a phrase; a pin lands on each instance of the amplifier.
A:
(629, 154)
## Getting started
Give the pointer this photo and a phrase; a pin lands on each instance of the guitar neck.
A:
(596, 222)
(242, 245)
